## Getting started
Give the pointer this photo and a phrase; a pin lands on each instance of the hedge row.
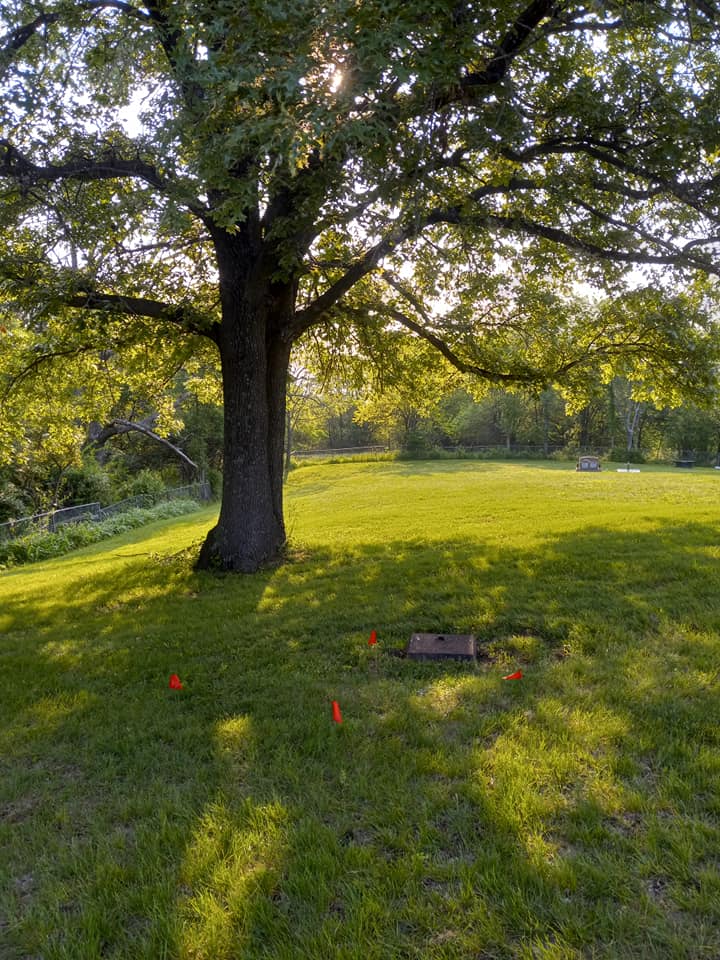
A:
(43, 545)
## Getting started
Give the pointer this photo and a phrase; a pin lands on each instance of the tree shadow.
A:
(452, 814)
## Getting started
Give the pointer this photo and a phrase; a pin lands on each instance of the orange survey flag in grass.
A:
(514, 676)
(175, 682)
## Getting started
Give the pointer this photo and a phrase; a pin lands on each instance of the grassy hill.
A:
(571, 814)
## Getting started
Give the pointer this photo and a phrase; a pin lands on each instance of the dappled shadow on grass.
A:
(453, 814)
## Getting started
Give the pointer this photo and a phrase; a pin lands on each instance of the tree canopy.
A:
(247, 174)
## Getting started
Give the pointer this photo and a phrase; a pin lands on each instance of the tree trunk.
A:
(612, 415)
(250, 531)
(288, 442)
(631, 423)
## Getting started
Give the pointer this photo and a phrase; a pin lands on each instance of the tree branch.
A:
(16, 39)
(622, 190)
(687, 193)
(629, 228)
(457, 214)
(511, 45)
(30, 368)
(78, 296)
(177, 52)
(364, 265)
(368, 261)
(592, 352)
(456, 361)
(586, 26)
(16, 165)
(506, 51)
(118, 426)
(531, 228)
(182, 316)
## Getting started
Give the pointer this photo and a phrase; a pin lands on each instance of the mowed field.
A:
(574, 813)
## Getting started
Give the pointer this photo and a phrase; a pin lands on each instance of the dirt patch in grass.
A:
(24, 888)
(656, 887)
(358, 837)
(627, 824)
(18, 811)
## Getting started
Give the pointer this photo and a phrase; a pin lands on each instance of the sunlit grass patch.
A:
(453, 814)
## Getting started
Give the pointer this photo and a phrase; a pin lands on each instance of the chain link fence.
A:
(54, 519)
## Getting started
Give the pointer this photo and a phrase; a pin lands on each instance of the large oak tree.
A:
(251, 171)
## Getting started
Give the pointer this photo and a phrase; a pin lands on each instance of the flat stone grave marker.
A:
(442, 646)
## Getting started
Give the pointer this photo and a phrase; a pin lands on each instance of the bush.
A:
(620, 455)
(12, 503)
(215, 479)
(148, 482)
(570, 452)
(88, 484)
(415, 447)
(502, 453)
(43, 545)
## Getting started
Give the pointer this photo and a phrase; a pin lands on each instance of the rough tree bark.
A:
(255, 354)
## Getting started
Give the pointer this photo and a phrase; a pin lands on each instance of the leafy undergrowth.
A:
(453, 814)
(43, 545)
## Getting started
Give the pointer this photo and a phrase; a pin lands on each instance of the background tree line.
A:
(515, 423)
(59, 454)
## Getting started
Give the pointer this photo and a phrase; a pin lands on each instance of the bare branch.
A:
(118, 426)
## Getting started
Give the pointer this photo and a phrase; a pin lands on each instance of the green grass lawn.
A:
(572, 814)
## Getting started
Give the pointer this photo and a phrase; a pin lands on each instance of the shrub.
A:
(620, 455)
(415, 447)
(215, 479)
(12, 502)
(148, 482)
(570, 452)
(88, 484)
